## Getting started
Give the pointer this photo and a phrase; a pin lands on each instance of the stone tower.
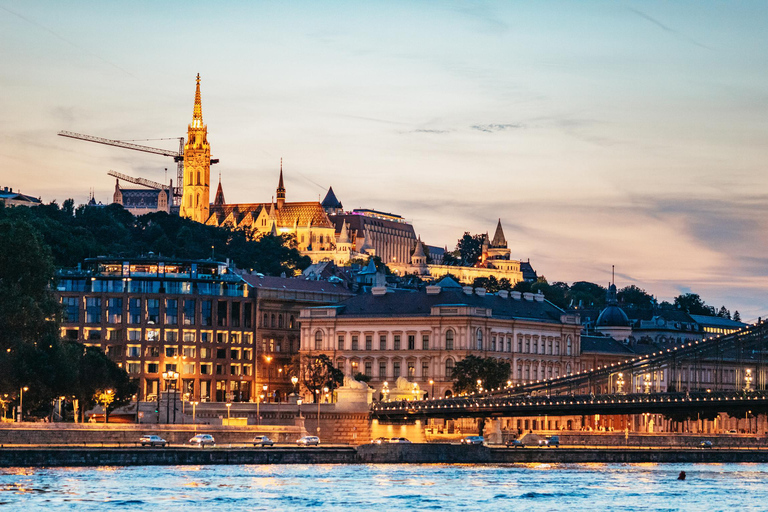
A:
(280, 188)
(195, 201)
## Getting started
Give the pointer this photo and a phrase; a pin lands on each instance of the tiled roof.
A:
(717, 321)
(603, 345)
(291, 283)
(285, 216)
(410, 303)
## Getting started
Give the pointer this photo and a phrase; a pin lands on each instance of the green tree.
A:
(317, 372)
(736, 316)
(692, 304)
(586, 294)
(633, 296)
(493, 373)
(470, 248)
(724, 313)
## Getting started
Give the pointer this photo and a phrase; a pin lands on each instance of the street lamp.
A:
(480, 385)
(170, 376)
(194, 410)
(747, 379)
(229, 411)
(294, 381)
(298, 404)
(620, 382)
(385, 390)
(647, 382)
(21, 402)
(268, 359)
(432, 393)
(317, 399)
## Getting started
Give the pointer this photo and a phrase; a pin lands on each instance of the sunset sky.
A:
(601, 133)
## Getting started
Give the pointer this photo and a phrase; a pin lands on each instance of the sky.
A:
(600, 132)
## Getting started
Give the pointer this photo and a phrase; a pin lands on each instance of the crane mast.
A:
(139, 181)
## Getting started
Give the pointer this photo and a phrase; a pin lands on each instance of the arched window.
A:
(449, 365)
(479, 339)
(198, 178)
(280, 321)
(273, 320)
(291, 322)
(449, 339)
(265, 323)
(318, 340)
(557, 347)
(568, 369)
(568, 347)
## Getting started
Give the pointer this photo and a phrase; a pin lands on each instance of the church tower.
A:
(280, 188)
(195, 201)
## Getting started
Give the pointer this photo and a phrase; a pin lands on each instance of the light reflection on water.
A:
(390, 487)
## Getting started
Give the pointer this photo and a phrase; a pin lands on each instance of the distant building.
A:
(422, 335)
(140, 201)
(11, 198)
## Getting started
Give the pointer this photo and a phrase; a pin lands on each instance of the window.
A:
(247, 313)
(220, 369)
(205, 368)
(171, 336)
(354, 343)
(134, 311)
(171, 351)
(71, 309)
(557, 347)
(509, 344)
(206, 336)
(221, 313)
(171, 311)
(396, 369)
(368, 342)
(449, 365)
(341, 342)
(493, 343)
(234, 353)
(93, 310)
(134, 350)
(527, 345)
(520, 343)
(273, 321)
(549, 346)
(205, 353)
(382, 369)
(170, 367)
(206, 313)
(247, 370)
(188, 352)
(234, 315)
(369, 368)
(397, 342)
(425, 342)
(425, 369)
(188, 368)
(411, 369)
(265, 321)
(153, 367)
(449, 339)
(153, 311)
(134, 334)
(114, 310)
(189, 312)
(479, 339)
(535, 344)
(292, 323)
(153, 335)
(133, 367)
(152, 352)
(221, 353)
(189, 336)
(383, 342)
(280, 321)
(318, 340)
(568, 346)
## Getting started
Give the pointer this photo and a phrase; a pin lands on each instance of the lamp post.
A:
(294, 381)
(229, 411)
(298, 404)
(170, 376)
(385, 390)
(194, 418)
(279, 379)
(317, 398)
(432, 393)
(268, 359)
(21, 402)
(647, 382)
(480, 385)
(620, 382)
(747, 379)
(261, 397)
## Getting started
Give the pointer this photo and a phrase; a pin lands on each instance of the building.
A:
(216, 329)
(10, 198)
(140, 201)
(421, 335)
(196, 192)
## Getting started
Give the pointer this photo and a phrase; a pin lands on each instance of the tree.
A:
(724, 313)
(736, 316)
(317, 372)
(470, 248)
(692, 304)
(493, 373)
(634, 296)
(586, 294)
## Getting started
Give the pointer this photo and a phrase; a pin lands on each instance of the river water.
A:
(594, 487)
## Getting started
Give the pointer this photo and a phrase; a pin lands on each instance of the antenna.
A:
(613, 275)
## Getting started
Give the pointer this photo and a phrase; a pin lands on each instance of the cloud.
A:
(491, 128)
(677, 34)
(424, 130)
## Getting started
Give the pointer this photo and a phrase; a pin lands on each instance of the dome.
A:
(612, 316)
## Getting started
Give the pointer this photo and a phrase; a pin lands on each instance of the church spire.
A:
(219, 198)
(280, 188)
(197, 114)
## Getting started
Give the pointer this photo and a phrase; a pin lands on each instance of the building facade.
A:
(422, 335)
(196, 192)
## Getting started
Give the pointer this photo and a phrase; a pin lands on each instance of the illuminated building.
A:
(195, 200)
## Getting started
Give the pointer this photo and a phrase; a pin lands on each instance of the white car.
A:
(308, 441)
(152, 440)
(202, 440)
(399, 440)
(262, 441)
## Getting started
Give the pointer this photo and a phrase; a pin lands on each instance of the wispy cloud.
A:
(491, 128)
(676, 33)
(425, 130)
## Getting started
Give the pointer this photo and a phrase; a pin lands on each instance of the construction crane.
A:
(178, 156)
(139, 181)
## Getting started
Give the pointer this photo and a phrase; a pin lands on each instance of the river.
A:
(595, 487)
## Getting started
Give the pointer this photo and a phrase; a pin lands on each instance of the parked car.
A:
(380, 440)
(262, 441)
(472, 440)
(515, 443)
(706, 444)
(152, 440)
(308, 441)
(553, 441)
(202, 440)
(396, 440)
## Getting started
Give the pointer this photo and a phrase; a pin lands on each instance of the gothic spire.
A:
(197, 115)
(219, 199)
(498, 238)
(280, 188)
